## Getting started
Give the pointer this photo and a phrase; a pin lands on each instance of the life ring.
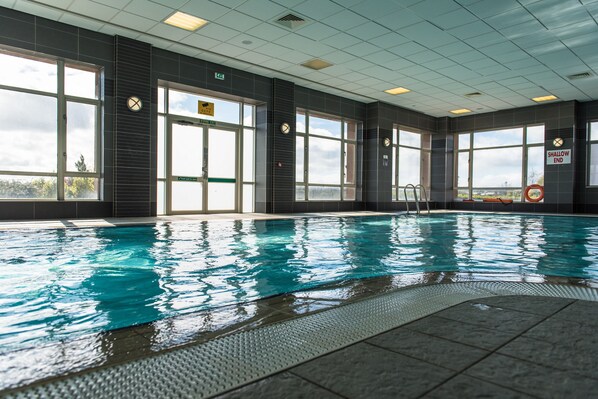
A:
(534, 187)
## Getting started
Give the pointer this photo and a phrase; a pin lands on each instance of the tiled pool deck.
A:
(495, 347)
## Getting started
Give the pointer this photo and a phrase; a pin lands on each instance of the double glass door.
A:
(202, 168)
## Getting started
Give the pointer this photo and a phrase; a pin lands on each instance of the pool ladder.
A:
(415, 196)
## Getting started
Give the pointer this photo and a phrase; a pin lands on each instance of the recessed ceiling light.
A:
(545, 98)
(185, 21)
(397, 90)
(316, 64)
(247, 42)
(460, 111)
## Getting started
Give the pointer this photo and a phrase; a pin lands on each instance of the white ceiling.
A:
(508, 50)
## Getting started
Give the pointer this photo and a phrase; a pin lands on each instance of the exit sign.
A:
(219, 75)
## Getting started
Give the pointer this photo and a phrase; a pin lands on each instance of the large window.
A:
(593, 154)
(49, 128)
(326, 157)
(499, 163)
(410, 163)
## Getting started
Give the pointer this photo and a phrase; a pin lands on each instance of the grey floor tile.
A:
(580, 311)
(578, 356)
(530, 304)
(532, 379)
(366, 371)
(284, 385)
(425, 347)
(491, 317)
(557, 330)
(465, 333)
(463, 386)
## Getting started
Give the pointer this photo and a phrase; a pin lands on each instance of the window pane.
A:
(248, 115)
(300, 193)
(394, 166)
(502, 193)
(324, 161)
(27, 187)
(498, 138)
(248, 198)
(300, 122)
(351, 130)
(161, 199)
(28, 73)
(299, 159)
(221, 196)
(222, 159)
(161, 147)
(535, 134)
(395, 137)
(80, 83)
(186, 196)
(497, 167)
(323, 126)
(248, 160)
(594, 165)
(463, 194)
(410, 139)
(535, 165)
(161, 99)
(28, 144)
(181, 103)
(80, 137)
(350, 154)
(594, 131)
(463, 170)
(464, 141)
(81, 188)
(349, 193)
(324, 193)
(409, 166)
(187, 150)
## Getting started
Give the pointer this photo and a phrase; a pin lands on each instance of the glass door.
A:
(202, 169)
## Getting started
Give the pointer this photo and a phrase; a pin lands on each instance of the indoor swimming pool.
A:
(60, 283)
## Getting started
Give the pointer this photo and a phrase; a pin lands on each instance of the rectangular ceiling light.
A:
(397, 90)
(185, 21)
(545, 98)
(460, 111)
(316, 64)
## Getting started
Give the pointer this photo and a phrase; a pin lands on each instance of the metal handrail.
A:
(425, 196)
(414, 194)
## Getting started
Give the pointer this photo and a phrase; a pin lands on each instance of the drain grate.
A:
(216, 366)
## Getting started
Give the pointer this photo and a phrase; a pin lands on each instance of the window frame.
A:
(395, 147)
(589, 142)
(344, 142)
(62, 100)
(524, 146)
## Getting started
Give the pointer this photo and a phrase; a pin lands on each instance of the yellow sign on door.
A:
(205, 108)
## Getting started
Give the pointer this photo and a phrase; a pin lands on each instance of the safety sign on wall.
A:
(205, 108)
(558, 157)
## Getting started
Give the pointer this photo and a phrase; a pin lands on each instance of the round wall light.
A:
(558, 142)
(386, 142)
(134, 104)
(285, 128)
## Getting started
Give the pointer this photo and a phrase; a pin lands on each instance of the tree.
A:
(80, 187)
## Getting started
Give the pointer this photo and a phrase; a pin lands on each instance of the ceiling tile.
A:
(368, 31)
(556, 14)
(132, 21)
(399, 19)
(238, 21)
(381, 8)
(388, 40)
(487, 8)
(509, 18)
(95, 10)
(199, 9)
(217, 32)
(262, 9)
(199, 41)
(341, 40)
(382, 57)
(424, 57)
(228, 50)
(454, 19)
(267, 32)
(114, 3)
(486, 39)
(255, 42)
(273, 50)
(149, 10)
(470, 30)
(427, 34)
(317, 31)
(433, 8)
(83, 22)
(346, 19)
(168, 32)
(407, 49)
(361, 49)
(41, 10)
(338, 57)
(318, 9)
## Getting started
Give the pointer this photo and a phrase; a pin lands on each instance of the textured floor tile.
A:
(463, 386)
(562, 331)
(580, 311)
(284, 385)
(491, 317)
(366, 371)
(469, 334)
(532, 379)
(577, 356)
(434, 350)
(530, 304)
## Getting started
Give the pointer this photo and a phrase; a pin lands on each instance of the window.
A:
(499, 163)
(326, 157)
(49, 128)
(410, 163)
(593, 154)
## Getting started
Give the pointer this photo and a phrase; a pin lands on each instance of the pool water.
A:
(56, 284)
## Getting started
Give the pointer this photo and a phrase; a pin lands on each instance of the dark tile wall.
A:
(314, 100)
(28, 32)
(132, 130)
(560, 121)
(283, 146)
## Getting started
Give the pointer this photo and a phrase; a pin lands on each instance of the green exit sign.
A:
(219, 75)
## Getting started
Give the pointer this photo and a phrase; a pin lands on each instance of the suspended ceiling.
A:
(507, 50)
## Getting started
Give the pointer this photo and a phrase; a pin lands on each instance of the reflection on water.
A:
(58, 283)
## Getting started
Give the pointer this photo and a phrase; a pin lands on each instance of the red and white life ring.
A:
(534, 187)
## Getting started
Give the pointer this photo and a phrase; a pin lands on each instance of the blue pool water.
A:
(56, 284)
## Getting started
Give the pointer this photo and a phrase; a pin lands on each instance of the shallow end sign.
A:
(558, 157)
